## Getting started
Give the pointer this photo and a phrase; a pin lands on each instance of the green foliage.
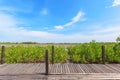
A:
(91, 53)
(29, 43)
(118, 39)
(94, 52)
(24, 54)
(60, 54)
(79, 53)
(116, 49)
(110, 55)
(28, 54)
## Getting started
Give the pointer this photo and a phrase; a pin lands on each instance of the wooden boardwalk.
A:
(66, 68)
(66, 71)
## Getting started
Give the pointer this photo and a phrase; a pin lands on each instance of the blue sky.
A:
(59, 20)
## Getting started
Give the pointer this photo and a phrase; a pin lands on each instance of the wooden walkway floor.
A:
(66, 68)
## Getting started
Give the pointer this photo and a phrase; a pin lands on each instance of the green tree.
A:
(118, 39)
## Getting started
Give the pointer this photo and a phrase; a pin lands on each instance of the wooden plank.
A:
(54, 68)
(12, 69)
(97, 66)
(116, 66)
(104, 68)
(30, 68)
(80, 68)
(71, 68)
(92, 68)
(22, 69)
(66, 68)
(75, 68)
(110, 69)
(4, 69)
(84, 68)
(50, 68)
(89, 68)
(58, 68)
(35, 66)
(116, 70)
(43, 68)
(64, 71)
(61, 67)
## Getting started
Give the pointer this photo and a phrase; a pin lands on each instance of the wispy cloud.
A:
(116, 3)
(59, 27)
(9, 24)
(78, 17)
(7, 20)
(112, 29)
(6, 8)
(44, 11)
(23, 6)
(75, 19)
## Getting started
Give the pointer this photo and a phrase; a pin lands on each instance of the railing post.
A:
(103, 54)
(22, 57)
(52, 54)
(70, 56)
(46, 63)
(2, 54)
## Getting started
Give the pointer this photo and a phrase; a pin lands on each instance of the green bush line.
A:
(79, 53)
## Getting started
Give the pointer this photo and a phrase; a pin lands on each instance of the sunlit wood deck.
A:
(38, 69)
(66, 68)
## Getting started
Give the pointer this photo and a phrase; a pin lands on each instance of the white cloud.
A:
(44, 11)
(111, 29)
(59, 27)
(6, 9)
(78, 17)
(24, 7)
(116, 3)
(6, 21)
(74, 20)
(10, 32)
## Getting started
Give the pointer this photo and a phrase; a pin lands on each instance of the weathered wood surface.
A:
(113, 76)
(66, 71)
(65, 68)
